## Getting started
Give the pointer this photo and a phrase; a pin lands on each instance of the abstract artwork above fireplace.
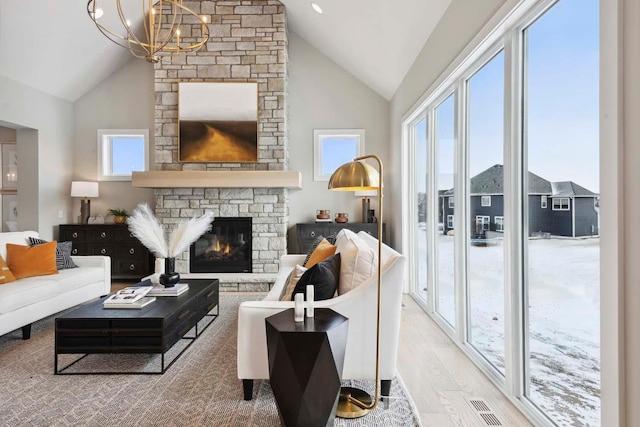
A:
(218, 122)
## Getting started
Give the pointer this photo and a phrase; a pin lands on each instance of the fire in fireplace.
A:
(224, 249)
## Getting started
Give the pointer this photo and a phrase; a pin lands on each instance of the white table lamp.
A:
(84, 189)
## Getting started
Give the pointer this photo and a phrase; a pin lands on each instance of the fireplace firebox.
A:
(226, 248)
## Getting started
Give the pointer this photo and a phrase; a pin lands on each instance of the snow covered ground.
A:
(564, 319)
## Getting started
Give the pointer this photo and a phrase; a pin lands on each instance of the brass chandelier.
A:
(160, 30)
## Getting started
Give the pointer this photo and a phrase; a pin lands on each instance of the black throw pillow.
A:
(324, 277)
(63, 253)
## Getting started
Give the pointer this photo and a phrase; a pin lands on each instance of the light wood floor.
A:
(441, 378)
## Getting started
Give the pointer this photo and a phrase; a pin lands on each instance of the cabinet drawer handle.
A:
(131, 235)
(75, 235)
(103, 234)
(74, 251)
(184, 314)
(132, 267)
(103, 251)
(213, 304)
(132, 251)
(210, 293)
(312, 234)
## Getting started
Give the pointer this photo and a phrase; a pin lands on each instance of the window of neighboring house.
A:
(485, 201)
(560, 204)
(122, 151)
(451, 202)
(482, 222)
(450, 221)
(499, 221)
(543, 202)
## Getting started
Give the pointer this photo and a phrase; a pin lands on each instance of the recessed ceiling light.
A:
(316, 8)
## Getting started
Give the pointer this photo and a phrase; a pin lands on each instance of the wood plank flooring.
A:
(441, 378)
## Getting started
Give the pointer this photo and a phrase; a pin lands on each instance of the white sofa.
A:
(358, 305)
(33, 298)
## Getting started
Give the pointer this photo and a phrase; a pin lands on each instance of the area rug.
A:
(200, 389)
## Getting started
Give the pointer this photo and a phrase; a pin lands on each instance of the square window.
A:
(560, 204)
(122, 151)
(485, 201)
(333, 148)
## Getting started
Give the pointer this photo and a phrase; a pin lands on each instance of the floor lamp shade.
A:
(84, 189)
(360, 176)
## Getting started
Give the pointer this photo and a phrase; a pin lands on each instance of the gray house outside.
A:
(555, 208)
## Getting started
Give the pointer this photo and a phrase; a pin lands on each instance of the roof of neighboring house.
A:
(491, 181)
(570, 189)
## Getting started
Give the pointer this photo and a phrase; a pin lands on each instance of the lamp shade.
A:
(355, 176)
(84, 189)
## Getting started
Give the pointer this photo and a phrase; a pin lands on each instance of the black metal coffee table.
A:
(154, 329)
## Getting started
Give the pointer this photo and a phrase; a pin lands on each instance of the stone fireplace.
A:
(248, 43)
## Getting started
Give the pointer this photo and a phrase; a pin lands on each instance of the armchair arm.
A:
(99, 261)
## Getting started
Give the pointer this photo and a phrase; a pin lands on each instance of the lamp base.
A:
(348, 409)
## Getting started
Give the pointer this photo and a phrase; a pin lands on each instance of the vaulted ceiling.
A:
(52, 45)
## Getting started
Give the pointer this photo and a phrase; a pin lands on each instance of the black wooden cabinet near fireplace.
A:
(226, 248)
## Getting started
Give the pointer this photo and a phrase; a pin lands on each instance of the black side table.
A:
(305, 365)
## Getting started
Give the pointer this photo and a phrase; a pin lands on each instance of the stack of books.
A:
(161, 291)
(131, 297)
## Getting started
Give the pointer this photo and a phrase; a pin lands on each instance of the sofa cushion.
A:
(323, 276)
(6, 276)
(323, 251)
(63, 253)
(292, 281)
(28, 261)
(358, 260)
(31, 290)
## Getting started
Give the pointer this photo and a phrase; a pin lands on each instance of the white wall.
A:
(322, 95)
(45, 165)
(125, 100)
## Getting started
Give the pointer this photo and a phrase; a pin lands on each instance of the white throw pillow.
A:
(358, 261)
(292, 281)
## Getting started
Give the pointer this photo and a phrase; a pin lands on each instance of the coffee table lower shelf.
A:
(154, 329)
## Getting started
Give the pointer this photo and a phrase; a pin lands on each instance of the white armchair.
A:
(358, 305)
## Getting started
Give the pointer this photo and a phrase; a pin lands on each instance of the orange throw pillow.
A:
(28, 261)
(6, 276)
(323, 251)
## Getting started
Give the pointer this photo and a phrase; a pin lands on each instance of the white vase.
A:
(157, 271)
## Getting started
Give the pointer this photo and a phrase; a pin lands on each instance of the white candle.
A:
(298, 309)
(310, 300)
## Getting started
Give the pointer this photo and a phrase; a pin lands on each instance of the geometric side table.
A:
(305, 365)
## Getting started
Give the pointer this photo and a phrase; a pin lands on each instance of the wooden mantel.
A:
(217, 179)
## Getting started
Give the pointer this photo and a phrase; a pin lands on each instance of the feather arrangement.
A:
(188, 232)
(145, 227)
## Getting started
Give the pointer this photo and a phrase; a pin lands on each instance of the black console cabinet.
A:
(129, 259)
(307, 232)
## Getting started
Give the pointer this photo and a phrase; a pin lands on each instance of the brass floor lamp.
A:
(358, 176)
